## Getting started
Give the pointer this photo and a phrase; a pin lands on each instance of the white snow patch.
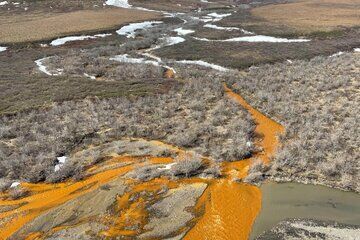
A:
(217, 17)
(14, 184)
(167, 166)
(256, 38)
(61, 162)
(337, 54)
(61, 41)
(204, 64)
(129, 30)
(330, 232)
(2, 49)
(356, 49)
(169, 41)
(181, 31)
(262, 38)
(90, 76)
(3, 3)
(102, 35)
(118, 3)
(124, 58)
(213, 26)
(44, 69)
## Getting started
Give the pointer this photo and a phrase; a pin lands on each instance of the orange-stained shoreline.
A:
(232, 207)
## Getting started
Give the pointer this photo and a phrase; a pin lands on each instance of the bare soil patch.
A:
(308, 16)
(37, 26)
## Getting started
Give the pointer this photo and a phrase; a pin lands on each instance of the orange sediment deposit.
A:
(231, 208)
(265, 127)
(132, 207)
(230, 211)
(226, 210)
(47, 196)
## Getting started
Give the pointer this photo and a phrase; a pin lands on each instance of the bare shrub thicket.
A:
(96, 61)
(318, 103)
(196, 116)
(187, 165)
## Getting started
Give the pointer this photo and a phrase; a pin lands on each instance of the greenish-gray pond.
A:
(293, 200)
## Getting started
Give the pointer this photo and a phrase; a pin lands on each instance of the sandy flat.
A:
(43, 26)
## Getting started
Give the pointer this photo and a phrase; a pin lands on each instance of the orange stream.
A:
(232, 207)
(228, 208)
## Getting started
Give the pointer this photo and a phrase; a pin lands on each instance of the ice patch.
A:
(213, 26)
(330, 232)
(217, 17)
(169, 41)
(90, 76)
(61, 41)
(2, 49)
(43, 68)
(261, 38)
(3, 3)
(61, 162)
(181, 31)
(256, 38)
(125, 59)
(118, 3)
(14, 184)
(204, 64)
(167, 166)
(337, 54)
(129, 30)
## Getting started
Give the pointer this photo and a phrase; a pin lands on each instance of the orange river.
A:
(227, 209)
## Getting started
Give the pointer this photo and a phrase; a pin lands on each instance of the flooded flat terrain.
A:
(293, 200)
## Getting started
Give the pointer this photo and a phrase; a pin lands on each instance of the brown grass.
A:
(43, 26)
(309, 15)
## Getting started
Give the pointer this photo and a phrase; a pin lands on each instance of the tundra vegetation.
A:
(317, 102)
(195, 116)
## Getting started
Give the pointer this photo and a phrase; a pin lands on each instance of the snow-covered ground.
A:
(329, 232)
(43, 68)
(217, 17)
(124, 58)
(61, 41)
(213, 26)
(130, 30)
(118, 3)
(337, 54)
(167, 166)
(183, 32)
(356, 49)
(169, 41)
(3, 3)
(204, 64)
(90, 76)
(2, 49)
(61, 162)
(256, 38)
(15, 184)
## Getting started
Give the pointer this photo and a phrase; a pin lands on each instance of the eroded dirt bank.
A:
(109, 203)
